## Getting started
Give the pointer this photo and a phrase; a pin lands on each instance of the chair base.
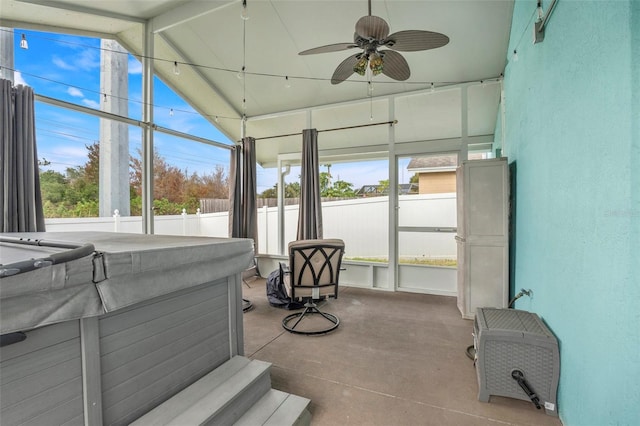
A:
(246, 305)
(310, 309)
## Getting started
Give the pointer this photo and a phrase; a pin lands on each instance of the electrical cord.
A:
(471, 350)
(522, 292)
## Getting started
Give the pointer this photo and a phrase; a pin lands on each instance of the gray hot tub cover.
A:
(126, 269)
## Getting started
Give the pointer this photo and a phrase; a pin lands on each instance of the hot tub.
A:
(117, 330)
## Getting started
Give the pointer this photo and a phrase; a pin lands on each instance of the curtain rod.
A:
(391, 123)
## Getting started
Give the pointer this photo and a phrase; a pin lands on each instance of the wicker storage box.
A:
(508, 340)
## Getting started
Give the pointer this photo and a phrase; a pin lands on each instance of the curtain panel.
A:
(310, 212)
(21, 200)
(235, 191)
(243, 217)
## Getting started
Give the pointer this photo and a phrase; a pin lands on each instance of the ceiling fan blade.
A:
(395, 66)
(345, 69)
(372, 27)
(328, 48)
(412, 40)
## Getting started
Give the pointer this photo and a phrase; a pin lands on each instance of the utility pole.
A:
(114, 135)
(6, 54)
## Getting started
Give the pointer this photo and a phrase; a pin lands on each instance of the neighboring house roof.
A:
(404, 188)
(438, 163)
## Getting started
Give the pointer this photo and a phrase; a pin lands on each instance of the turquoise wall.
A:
(572, 125)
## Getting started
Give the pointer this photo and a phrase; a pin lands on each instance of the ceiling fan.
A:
(372, 33)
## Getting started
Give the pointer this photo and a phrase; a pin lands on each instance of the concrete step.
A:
(277, 408)
(220, 397)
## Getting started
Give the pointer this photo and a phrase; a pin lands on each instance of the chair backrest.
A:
(314, 267)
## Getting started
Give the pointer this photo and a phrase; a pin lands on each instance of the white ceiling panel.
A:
(212, 42)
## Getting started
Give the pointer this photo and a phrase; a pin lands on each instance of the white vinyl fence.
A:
(363, 224)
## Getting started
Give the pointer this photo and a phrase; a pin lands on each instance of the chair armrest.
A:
(284, 268)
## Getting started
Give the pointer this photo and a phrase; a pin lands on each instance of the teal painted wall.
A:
(572, 124)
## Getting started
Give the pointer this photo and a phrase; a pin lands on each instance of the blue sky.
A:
(68, 68)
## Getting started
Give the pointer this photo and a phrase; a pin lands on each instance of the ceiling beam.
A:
(488, 81)
(84, 9)
(380, 151)
(10, 23)
(185, 13)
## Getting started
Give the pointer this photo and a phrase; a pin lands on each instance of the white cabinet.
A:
(483, 235)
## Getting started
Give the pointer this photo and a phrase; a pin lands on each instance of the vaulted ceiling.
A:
(285, 92)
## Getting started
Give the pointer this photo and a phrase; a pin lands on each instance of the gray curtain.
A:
(310, 213)
(235, 191)
(243, 216)
(20, 198)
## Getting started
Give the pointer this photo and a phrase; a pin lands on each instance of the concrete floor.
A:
(396, 359)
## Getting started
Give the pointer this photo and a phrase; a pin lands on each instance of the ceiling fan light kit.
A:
(372, 33)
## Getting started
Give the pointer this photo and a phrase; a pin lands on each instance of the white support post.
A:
(198, 218)
(147, 130)
(265, 209)
(116, 220)
(280, 187)
(503, 121)
(393, 202)
(184, 221)
(464, 125)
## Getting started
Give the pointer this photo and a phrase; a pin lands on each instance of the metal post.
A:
(393, 202)
(464, 128)
(147, 131)
(281, 222)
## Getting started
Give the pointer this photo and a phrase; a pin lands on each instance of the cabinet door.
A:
(487, 277)
(486, 199)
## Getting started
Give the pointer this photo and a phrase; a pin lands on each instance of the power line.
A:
(70, 135)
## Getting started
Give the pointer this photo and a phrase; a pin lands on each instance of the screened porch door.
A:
(426, 223)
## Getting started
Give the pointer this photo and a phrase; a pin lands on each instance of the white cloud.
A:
(75, 92)
(64, 156)
(135, 67)
(66, 152)
(18, 79)
(87, 60)
(62, 64)
(84, 60)
(91, 104)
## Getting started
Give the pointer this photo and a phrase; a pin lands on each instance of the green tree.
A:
(384, 186)
(175, 189)
(53, 186)
(325, 182)
(340, 188)
(75, 193)
(291, 190)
